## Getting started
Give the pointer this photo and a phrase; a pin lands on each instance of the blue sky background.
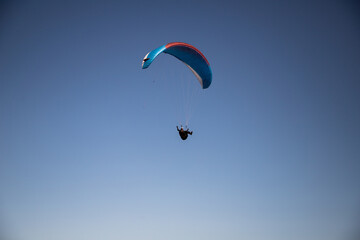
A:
(88, 145)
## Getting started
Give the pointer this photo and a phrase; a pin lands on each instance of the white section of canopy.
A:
(196, 74)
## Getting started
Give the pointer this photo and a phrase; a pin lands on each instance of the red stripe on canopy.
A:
(173, 44)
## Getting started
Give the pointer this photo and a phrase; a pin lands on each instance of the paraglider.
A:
(183, 133)
(192, 58)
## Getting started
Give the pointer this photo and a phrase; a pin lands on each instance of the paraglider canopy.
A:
(189, 55)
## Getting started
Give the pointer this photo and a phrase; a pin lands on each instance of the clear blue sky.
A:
(88, 145)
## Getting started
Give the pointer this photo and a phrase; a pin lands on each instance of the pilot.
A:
(183, 133)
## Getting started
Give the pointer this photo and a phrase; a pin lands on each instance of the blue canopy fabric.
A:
(189, 55)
